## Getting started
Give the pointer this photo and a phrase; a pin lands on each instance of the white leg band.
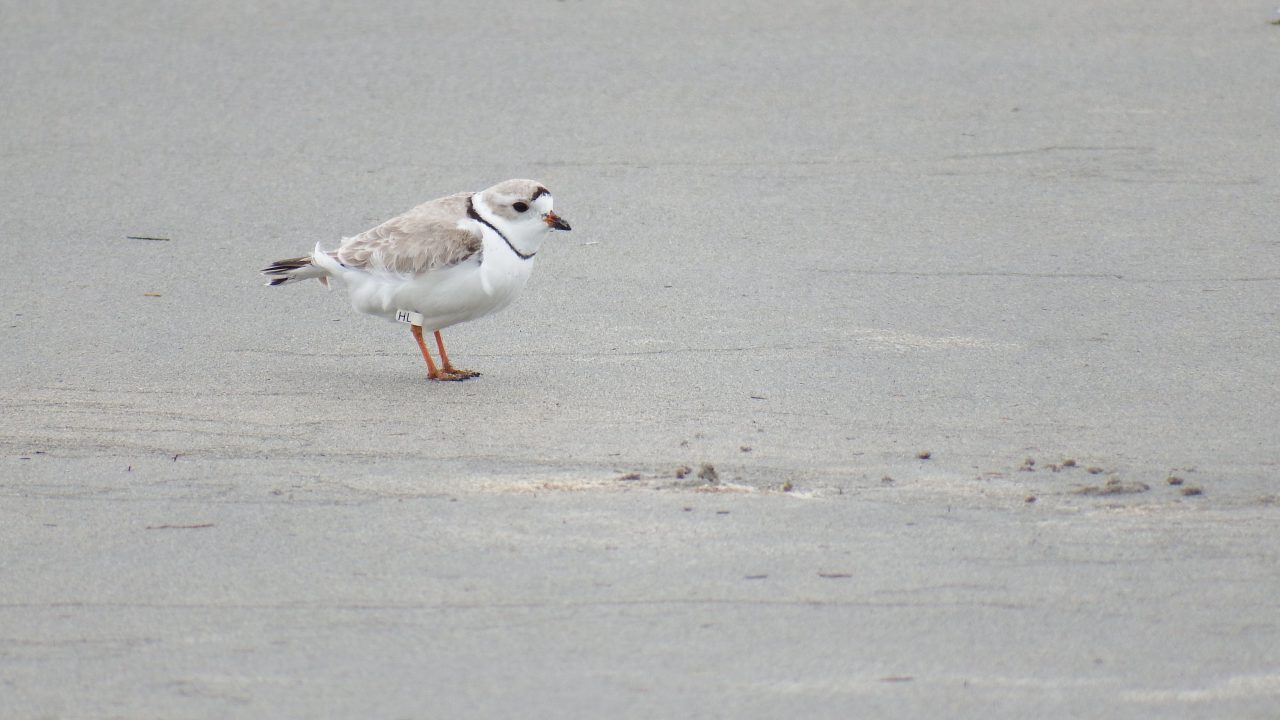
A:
(410, 317)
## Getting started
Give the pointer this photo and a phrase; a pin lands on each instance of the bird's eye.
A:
(520, 207)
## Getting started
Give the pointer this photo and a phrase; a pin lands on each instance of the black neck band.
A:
(471, 213)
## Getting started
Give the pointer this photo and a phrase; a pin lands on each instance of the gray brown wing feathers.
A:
(422, 239)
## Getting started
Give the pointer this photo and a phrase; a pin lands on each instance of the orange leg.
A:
(432, 372)
(444, 356)
(451, 372)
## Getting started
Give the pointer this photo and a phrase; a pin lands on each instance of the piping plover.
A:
(444, 262)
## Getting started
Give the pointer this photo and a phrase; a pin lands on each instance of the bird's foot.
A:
(453, 374)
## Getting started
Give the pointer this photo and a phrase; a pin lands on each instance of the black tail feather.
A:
(288, 265)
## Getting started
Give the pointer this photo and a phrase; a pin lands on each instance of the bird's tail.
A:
(290, 270)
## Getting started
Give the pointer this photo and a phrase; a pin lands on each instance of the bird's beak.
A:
(555, 222)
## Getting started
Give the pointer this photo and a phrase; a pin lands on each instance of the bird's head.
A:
(523, 209)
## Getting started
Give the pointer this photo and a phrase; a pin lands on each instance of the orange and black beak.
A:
(555, 222)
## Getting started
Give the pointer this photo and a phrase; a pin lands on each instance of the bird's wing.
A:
(423, 239)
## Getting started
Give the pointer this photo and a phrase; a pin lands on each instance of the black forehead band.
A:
(539, 193)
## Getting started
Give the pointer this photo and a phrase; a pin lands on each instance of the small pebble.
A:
(1174, 480)
(1095, 470)
(708, 472)
(1190, 490)
(924, 455)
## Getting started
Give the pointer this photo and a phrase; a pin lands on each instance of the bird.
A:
(447, 261)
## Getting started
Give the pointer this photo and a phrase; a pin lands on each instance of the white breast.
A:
(502, 274)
